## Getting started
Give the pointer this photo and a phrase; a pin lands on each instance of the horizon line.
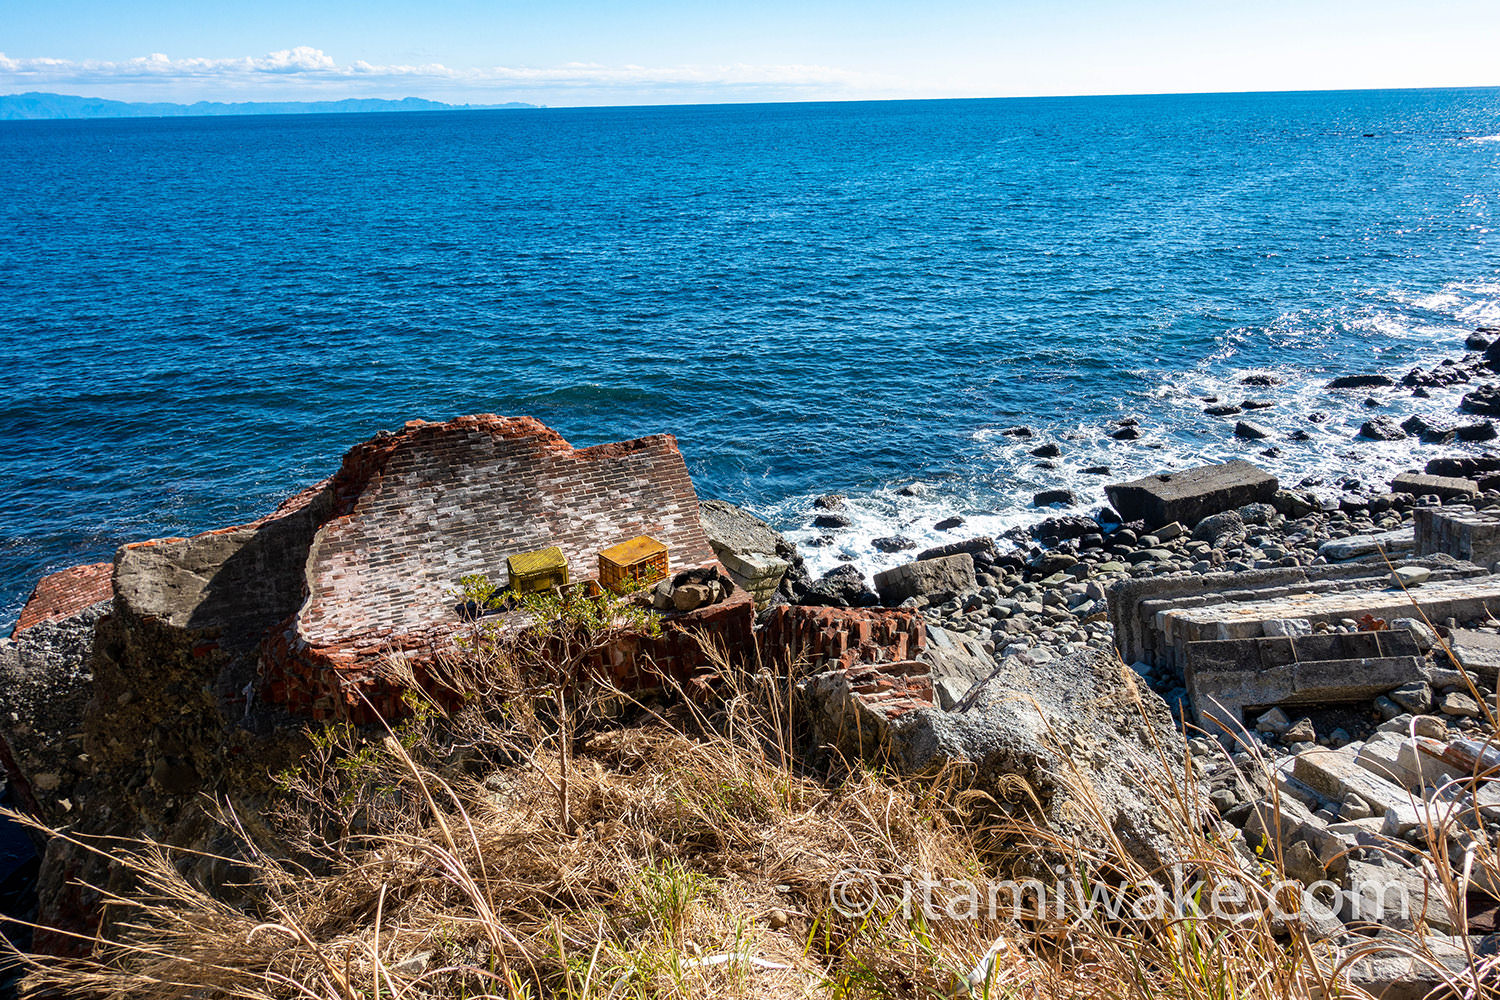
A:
(500, 105)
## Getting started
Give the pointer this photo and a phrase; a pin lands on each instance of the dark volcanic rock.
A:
(1064, 527)
(1432, 433)
(1128, 433)
(844, 586)
(1256, 404)
(1381, 429)
(832, 521)
(949, 523)
(829, 501)
(981, 548)
(1224, 410)
(1361, 381)
(1260, 380)
(1017, 432)
(1481, 338)
(1464, 466)
(1250, 432)
(1047, 451)
(893, 543)
(1484, 400)
(1483, 430)
(1221, 530)
(1048, 497)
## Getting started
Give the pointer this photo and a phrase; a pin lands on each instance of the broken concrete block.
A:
(1274, 722)
(942, 577)
(1396, 974)
(1402, 819)
(1155, 618)
(1430, 726)
(1286, 627)
(1456, 703)
(1462, 534)
(1415, 697)
(1190, 495)
(1446, 487)
(1476, 652)
(1353, 808)
(1226, 677)
(1395, 896)
(1420, 631)
(757, 557)
(1301, 731)
(1400, 761)
(1389, 542)
(1336, 774)
(1410, 576)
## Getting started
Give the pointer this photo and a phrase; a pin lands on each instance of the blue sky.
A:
(587, 52)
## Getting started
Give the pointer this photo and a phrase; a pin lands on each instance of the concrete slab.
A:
(1144, 613)
(940, 577)
(1189, 495)
(1390, 542)
(1395, 896)
(1462, 534)
(1335, 774)
(1226, 679)
(1447, 487)
(1476, 652)
(1462, 598)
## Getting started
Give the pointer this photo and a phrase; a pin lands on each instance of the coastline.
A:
(240, 635)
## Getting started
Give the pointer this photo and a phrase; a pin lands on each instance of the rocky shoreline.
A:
(1042, 588)
(194, 665)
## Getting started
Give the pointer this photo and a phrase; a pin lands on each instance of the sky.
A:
(592, 52)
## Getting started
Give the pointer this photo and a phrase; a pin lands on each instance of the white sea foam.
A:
(1175, 433)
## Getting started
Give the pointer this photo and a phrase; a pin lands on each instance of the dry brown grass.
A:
(705, 844)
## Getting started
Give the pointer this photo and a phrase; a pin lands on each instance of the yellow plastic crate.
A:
(534, 571)
(629, 565)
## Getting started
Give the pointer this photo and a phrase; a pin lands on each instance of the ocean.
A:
(198, 316)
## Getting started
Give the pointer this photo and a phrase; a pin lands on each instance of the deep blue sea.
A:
(198, 316)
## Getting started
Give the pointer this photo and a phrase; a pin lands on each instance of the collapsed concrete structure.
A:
(1228, 633)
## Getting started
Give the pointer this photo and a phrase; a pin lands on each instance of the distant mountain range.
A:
(15, 107)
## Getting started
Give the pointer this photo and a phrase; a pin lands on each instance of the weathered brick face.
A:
(459, 497)
(64, 594)
(421, 508)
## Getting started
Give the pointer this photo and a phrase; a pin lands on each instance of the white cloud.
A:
(308, 67)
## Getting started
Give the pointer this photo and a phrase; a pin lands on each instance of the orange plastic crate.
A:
(633, 564)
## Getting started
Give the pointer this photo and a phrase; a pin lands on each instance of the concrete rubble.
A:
(1190, 495)
(1350, 650)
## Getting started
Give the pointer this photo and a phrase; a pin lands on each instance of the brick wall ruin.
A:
(421, 508)
(877, 649)
(64, 594)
